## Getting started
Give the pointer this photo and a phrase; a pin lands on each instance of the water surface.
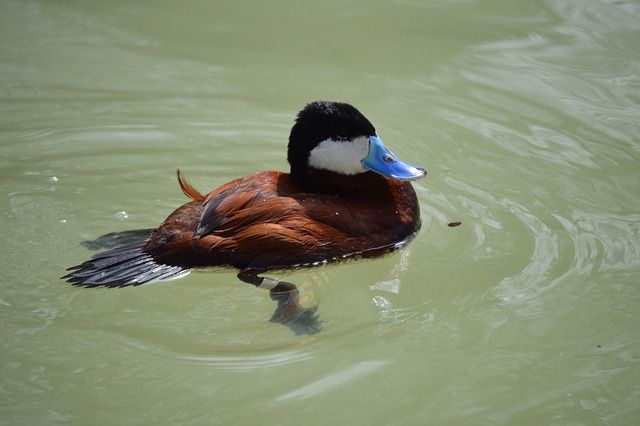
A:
(526, 115)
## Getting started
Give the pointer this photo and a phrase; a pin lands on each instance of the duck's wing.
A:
(243, 203)
(258, 223)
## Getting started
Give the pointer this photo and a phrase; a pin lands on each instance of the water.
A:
(526, 115)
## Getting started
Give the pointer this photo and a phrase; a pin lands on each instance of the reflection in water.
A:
(116, 239)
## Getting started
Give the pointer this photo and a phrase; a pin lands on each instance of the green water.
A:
(525, 113)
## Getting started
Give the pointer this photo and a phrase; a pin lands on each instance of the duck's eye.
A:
(342, 134)
(389, 159)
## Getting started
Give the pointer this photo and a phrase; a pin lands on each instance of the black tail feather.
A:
(123, 266)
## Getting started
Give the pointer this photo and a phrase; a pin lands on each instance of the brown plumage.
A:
(264, 221)
(346, 195)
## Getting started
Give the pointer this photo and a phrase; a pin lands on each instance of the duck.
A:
(346, 196)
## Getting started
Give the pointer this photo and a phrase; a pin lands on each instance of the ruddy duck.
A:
(346, 196)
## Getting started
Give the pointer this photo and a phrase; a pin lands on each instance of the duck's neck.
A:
(364, 185)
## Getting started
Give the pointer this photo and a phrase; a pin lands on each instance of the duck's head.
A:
(336, 137)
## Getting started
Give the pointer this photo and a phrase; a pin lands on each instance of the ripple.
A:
(603, 240)
(334, 380)
(599, 242)
(242, 362)
(536, 276)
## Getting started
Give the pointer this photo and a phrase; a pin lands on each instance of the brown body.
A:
(266, 221)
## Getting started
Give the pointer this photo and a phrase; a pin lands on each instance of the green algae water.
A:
(526, 115)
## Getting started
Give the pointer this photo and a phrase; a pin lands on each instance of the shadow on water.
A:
(117, 239)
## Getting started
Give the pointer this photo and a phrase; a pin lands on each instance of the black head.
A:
(320, 121)
(334, 141)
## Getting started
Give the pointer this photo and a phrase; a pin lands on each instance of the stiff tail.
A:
(120, 267)
(188, 189)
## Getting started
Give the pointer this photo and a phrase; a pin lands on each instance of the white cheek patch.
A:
(340, 157)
